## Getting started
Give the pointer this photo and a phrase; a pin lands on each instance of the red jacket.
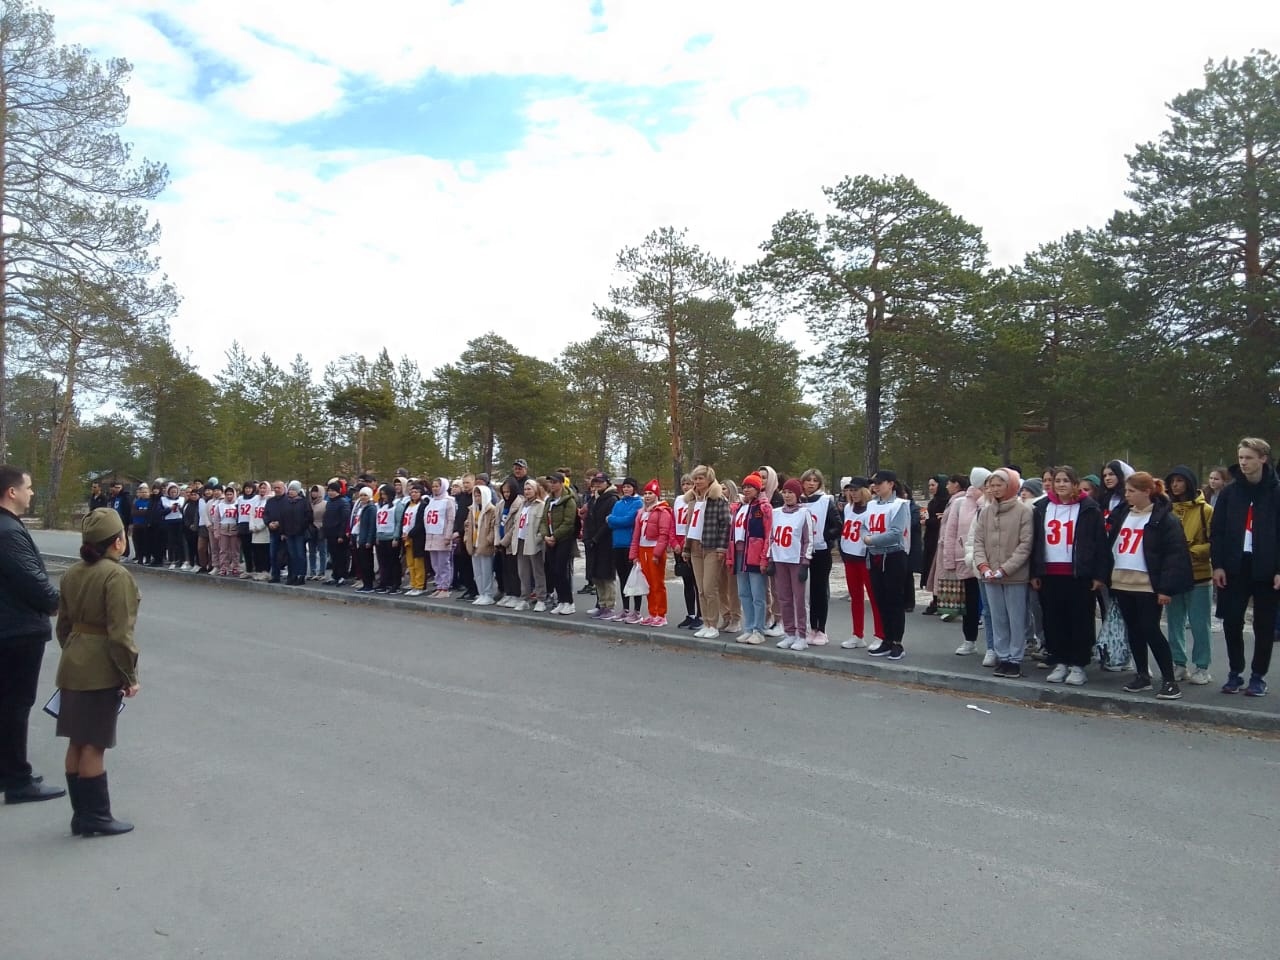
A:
(659, 527)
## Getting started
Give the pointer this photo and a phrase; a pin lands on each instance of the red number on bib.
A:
(852, 530)
(383, 517)
(696, 513)
(433, 517)
(1055, 529)
(1130, 540)
(877, 523)
(783, 536)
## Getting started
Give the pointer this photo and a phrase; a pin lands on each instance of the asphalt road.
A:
(314, 781)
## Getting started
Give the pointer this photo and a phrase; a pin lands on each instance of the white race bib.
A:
(645, 539)
(410, 515)
(851, 542)
(1248, 530)
(1128, 546)
(1060, 532)
(522, 528)
(788, 535)
(697, 511)
(386, 520)
(818, 512)
(740, 524)
(436, 522)
(682, 518)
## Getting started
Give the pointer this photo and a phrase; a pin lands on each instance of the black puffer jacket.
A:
(598, 537)
(1226, 529)
(27, 598)
(1091, 554)
(1163, 547)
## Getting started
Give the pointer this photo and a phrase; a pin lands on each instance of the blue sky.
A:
(451, 168)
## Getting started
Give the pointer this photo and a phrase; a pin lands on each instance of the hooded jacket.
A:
(1226, 529)
(1002, 539)
(1090, 556)
(1163, 548)
(1195, 515)
(444, 502)
(1111, 501)
(482, 520)
(337, 518)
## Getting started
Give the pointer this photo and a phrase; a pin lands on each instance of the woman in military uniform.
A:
(99, 666)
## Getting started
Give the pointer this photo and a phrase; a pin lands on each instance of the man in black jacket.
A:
(1244, 546)
(27, 600)
(295, 520)
(272, 514)
(598, 540)
(337, 533)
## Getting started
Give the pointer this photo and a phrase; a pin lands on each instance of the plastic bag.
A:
(1113, 640)
(636, 585)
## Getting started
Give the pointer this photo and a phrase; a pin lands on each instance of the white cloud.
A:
(1016, 115)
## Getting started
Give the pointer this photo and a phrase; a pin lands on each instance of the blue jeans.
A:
(1191, 608)
(1007, 612)
(297, 551)
(318, 552)
(751, 591)
(279, 556)
(986, 614)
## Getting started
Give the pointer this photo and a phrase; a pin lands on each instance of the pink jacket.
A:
(956, 521)
(660, 527)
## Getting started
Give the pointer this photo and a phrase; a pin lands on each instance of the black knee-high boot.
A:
(95, 816)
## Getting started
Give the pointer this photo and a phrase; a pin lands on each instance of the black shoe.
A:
(1009, 670)
(685, 623)
(586, 590)
(73, 792)
(696, 624)
(1169, 691)
(883, 650)
(364, 589)
(95, 814)
(896, 652)
(380, 590)
(1138, 684)
(930, 611)
(274, 580)
(392, 592)
(33, 792)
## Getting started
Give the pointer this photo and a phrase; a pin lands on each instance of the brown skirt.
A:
(89, 717)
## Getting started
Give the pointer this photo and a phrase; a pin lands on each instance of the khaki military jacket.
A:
(97, 610)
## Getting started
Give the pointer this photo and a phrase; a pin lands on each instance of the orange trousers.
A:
(655, 574)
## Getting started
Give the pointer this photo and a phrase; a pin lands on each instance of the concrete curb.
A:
(1028, 691)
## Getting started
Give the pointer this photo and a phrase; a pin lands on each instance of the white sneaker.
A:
(414, 593)
(966, 647)
(774, 631)
(754, 638)
(509, 601)
(566, 609)
(853, 643)
(800, 644)
(539, 607)
(743, 637)
(1179, 673)
(483, 601)
(522, 605)
(785, 643)
(1057, 674)
(989, 659)
(1076, 677)
(710, 633)
(1199, 676)
(819, 638)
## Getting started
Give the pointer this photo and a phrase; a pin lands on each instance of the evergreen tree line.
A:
(1152, 338)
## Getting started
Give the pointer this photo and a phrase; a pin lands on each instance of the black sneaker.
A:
(896, 652)
(695, 624)
(1138, 684)
(1169, 691)
(586, 590)
(1012, 671)
(881, 651)
(1000, 669)
(685, 624)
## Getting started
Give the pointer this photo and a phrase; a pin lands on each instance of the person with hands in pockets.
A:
(1002, 540)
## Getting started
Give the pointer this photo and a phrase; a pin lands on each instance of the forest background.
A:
(1152, 337)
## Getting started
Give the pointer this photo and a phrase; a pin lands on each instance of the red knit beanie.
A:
(794, 486)
(654, 487)
(753, 480)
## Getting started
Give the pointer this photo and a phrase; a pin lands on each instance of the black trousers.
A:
(340, 557)
(362, 565)
(972, 609)
(510, 574)
(819, 589)
(888, 573)
(389, 573)
(464, 576)
(1141, 615)
(173, 540)
(191, 542)
(622, 564)
(246, 550)
(1069, 633)
(562, 570)
(1233, 601)
(19, 676)
(691, 592)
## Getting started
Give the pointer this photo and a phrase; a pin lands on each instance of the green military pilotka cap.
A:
(102, 525)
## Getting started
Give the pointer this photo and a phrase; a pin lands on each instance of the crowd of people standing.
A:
(1025, 565)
